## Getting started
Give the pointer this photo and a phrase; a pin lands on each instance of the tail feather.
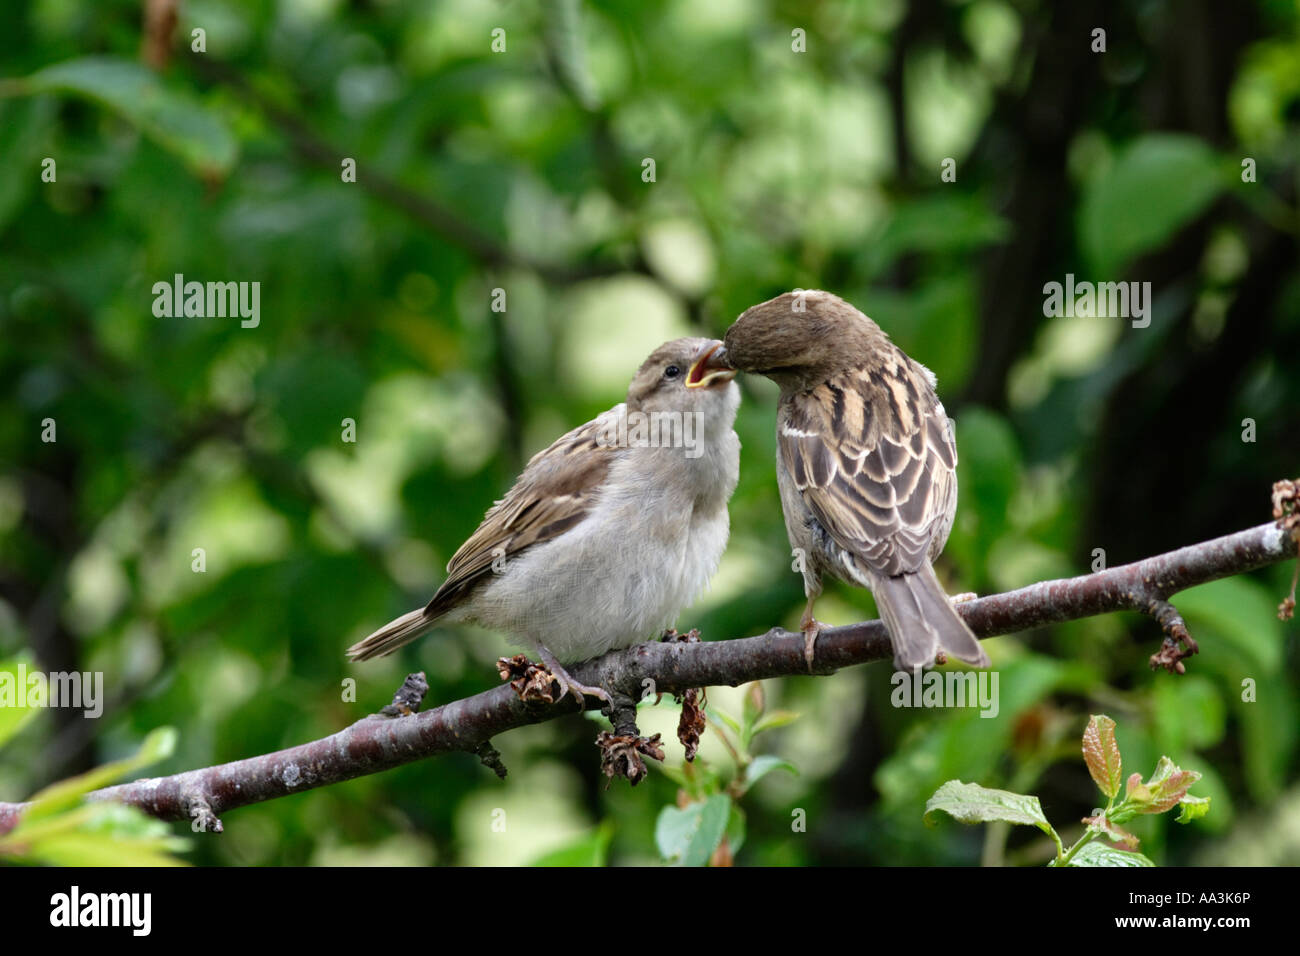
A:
(391, 636)
(921, 620)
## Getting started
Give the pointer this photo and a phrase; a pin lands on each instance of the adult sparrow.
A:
(609, 532)
(866, 464)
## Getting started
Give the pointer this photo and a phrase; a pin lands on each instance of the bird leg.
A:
(963, 597)
(567, 682)
(810, 627)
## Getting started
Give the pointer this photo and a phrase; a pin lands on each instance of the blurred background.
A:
(793, 145)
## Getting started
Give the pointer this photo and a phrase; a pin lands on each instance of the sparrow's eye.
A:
(672, 371)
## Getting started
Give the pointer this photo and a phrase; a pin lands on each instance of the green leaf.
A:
(1154, 187)
(1100, 854)
(67, 793)
(564, 38)
(59, 829)
(591, 849)
(17, 841)
(1213, 792)
(1101, 753)
(1189, 713)
(764, 764)
(14, 712)
(159, 744)
(98, 834)
(121, 820)
(721, 716)
(1242, 612)
(963, 745)
(688, 835)
(774, 719)
(1235, 620)
(988, 472)
(1192, 808)
(1168, 786)
(971, 803)
(1164, 791)
(27, 126)
(736, 826)
(174, 119)
(98, 849)
(751, 711)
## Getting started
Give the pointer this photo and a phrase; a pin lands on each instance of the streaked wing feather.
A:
(873, 457)
(555, 493)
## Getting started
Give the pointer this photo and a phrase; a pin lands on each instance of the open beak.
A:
(711, 368)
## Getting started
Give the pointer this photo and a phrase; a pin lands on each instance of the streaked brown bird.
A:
(866, 464)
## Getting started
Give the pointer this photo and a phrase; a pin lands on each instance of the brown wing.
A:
(874, 459)
(555, 492)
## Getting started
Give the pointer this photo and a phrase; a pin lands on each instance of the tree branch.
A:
(379, 742)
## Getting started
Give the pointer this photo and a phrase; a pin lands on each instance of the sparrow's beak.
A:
(711, 368)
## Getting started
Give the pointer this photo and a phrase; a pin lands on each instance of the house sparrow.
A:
(866, 463)
(609, 532)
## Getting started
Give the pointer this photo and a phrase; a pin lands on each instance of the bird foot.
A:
(963, 597)
(568, 684)
(811, 628)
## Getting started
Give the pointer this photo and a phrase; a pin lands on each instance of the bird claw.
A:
(569, 684)
(964, 597)
(585, 690)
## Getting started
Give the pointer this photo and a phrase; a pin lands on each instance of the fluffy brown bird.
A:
(866, 463)
(609, 532)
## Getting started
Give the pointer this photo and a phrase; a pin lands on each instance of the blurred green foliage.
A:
(523, 170)
(58, 827)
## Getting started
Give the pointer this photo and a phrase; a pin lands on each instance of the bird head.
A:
(683, 375)
(801, 337)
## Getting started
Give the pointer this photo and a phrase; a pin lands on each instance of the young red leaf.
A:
(1101, 752)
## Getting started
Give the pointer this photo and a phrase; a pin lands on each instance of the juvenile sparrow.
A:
(609, 532)
(866, 463)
